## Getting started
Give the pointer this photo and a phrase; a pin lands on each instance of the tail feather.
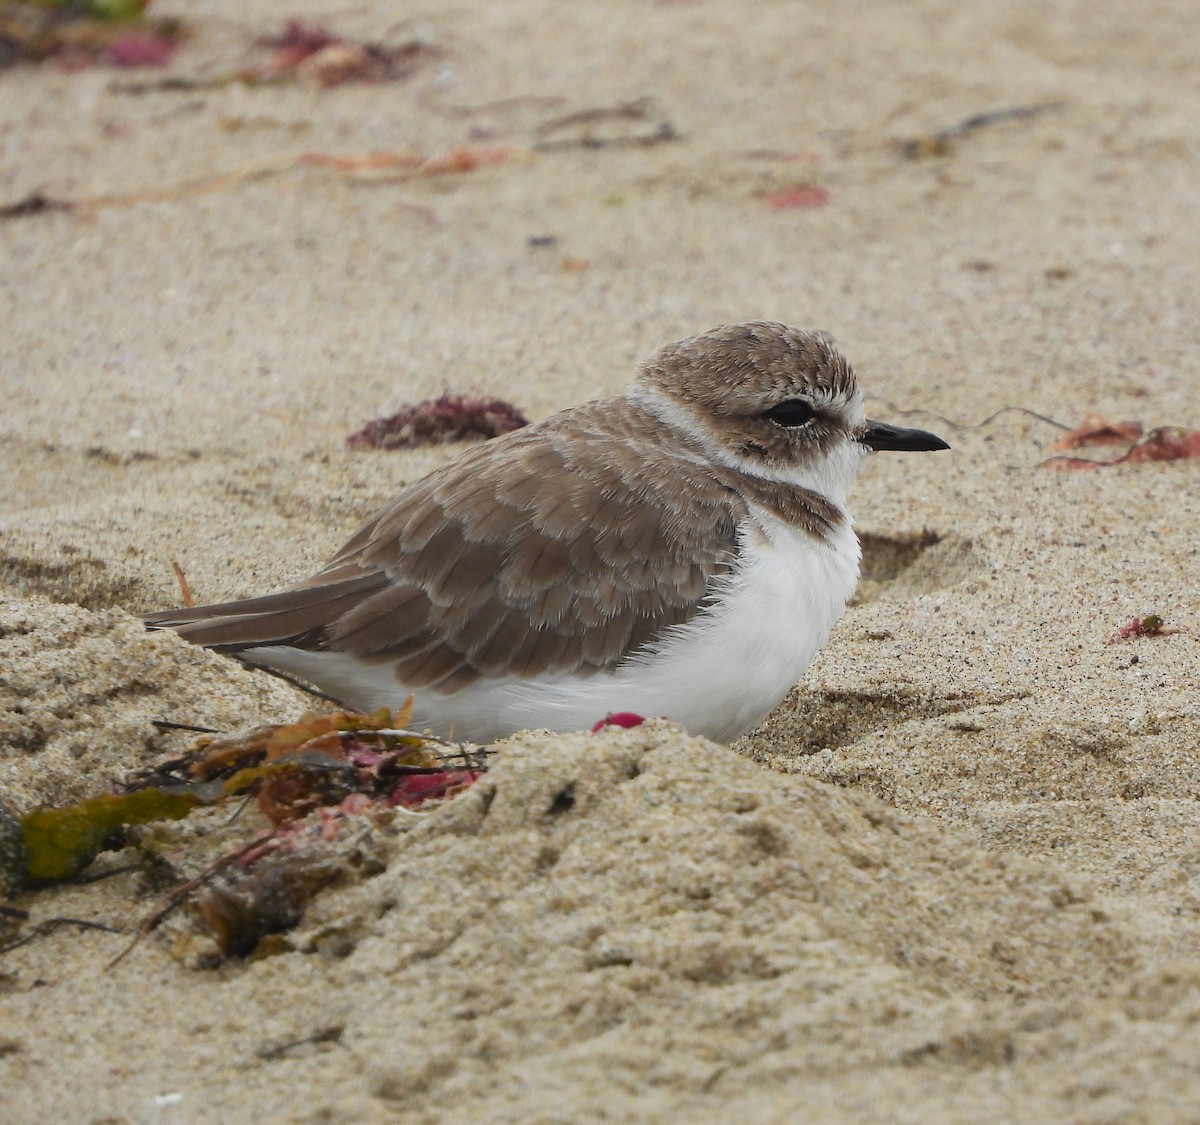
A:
(298, 617)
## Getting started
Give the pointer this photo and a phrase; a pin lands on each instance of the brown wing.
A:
(564, 546)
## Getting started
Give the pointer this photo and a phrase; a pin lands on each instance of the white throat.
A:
(830, 475)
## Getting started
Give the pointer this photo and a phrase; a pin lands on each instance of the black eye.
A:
(794, 412)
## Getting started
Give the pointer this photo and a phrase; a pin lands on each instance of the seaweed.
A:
(324, 784)
(61, 842)
(77, 34)
(440, 420)
(1152, 625)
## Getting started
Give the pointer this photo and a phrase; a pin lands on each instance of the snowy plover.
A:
(682, 549)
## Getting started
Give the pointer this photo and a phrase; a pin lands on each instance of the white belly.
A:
(718, 674)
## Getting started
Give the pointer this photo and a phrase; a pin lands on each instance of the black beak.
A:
(879, 435)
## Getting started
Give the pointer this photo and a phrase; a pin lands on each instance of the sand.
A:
(953, 878)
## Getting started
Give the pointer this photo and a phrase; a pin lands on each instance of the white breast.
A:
(723, 672)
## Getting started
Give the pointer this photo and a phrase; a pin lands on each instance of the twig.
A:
(996, 117)
(34, 204)
(96, 877)
(331, 1034)
(939, 143)
(428, 99)
(184, 589)
(639, 110)
(173, 83)
(167, 724)
(241, 808)
(978, 425)
(288, 678)
(53, 924)
(395, 733)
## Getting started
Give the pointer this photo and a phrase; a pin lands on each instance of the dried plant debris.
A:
(249, 898)
(77, 34)
(635, 124)
(1164, 443)
(343, 759)
(1152, 625)
(330, 787)
(390, 165)
(1095, 430)
(34, 204)
(438, 421)
(331, 1033)
(942, 142)
(374, 167)
(312, 52)
(321, 783)
(266, 901)
(49, 925)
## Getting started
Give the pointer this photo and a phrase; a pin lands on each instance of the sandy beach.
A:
(953, 878)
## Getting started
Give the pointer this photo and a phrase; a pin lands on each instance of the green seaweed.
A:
(61, 842)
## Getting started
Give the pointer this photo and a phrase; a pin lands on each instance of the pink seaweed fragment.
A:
(440, 420)
(297, 42)
(806, 196)
(1151, 625)
(1095, 429)
(1166, 443)
(624, 719)
(139, 48)
(419, 788)
(364, 757)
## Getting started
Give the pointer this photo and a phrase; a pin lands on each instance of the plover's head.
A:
(773, 401)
